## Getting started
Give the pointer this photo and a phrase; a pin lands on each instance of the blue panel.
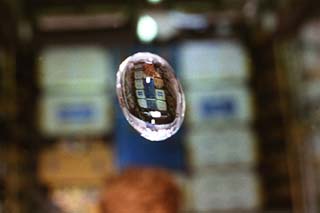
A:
(149, 89)
(151, 103)
(134, 150)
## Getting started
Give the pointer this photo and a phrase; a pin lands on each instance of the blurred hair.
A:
(141, 190)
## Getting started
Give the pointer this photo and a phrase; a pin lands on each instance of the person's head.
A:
(141, 190)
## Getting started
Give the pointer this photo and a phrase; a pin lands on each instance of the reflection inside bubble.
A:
(150, 96)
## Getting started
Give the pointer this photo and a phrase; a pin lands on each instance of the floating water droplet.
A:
(150, 96)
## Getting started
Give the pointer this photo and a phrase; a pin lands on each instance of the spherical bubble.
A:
(151, 98)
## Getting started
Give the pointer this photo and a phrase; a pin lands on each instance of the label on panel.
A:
(225, 191)
(220, 105)
(212, 61)
(222, 147)
(66, 115)
(76, 67)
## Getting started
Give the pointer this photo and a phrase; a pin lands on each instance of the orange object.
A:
(150, 71)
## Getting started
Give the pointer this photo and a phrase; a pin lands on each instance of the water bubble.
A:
(150, 96)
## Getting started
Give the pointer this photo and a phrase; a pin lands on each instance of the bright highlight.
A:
(147, 28)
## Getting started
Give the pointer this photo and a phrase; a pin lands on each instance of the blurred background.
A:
(250, 70)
